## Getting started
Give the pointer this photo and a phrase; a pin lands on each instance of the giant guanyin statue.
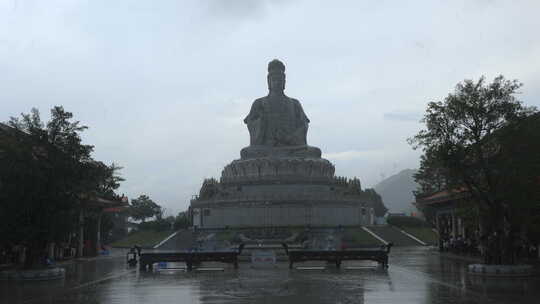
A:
(279, 179)
(277, 123)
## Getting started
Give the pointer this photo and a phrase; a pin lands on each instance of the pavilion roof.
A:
(101, 202)
(443, 196)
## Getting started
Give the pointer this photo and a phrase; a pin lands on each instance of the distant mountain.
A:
(396, 191)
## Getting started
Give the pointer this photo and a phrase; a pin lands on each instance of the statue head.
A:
(276, 76)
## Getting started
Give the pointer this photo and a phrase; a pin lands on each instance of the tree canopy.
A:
(182, 220)
(376, 200)
(143, 207)
(46, 170)
(466, 146)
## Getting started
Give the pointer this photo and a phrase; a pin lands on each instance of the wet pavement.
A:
(416, 275)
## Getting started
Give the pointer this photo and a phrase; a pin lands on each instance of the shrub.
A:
(407, 221)
(158, 225)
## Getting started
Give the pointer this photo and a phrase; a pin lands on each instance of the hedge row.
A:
(407, 221)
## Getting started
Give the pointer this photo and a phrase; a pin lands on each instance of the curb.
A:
(375, 235)
(165, 240)
(501, 270)
(411, 236)
(34, 275)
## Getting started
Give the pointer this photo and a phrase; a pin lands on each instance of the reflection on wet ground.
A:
(416, 275)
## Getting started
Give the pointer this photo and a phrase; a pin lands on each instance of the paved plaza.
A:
(416, 275)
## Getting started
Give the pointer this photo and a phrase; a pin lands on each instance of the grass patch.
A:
(142, 238)
(427, 235)
(226, 235)
(358, 237)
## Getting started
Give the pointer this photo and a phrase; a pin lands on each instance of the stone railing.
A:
(277, 198)
(273, 179)
(270, 168)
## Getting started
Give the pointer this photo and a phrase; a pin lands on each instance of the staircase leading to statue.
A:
(393, 235)
(183, 240)
(186, 239)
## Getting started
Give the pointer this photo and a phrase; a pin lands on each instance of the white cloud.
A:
(346, 155)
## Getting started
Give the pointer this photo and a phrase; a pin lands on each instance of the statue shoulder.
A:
(258, 101)
(257, 108)
(296, 102)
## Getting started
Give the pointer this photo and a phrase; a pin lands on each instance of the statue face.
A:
(276, 81)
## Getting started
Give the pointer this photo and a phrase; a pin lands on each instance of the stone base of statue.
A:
(277, 170)
(280, 186)
(304, 151)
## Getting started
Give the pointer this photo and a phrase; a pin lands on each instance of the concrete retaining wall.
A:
(283, 215)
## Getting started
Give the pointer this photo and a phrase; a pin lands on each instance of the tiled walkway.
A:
(416, 275)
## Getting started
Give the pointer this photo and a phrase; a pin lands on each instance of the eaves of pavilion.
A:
(446, 201)
(444, 205)
(99, 205)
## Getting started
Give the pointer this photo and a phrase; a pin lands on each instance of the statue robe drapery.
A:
(277, 121)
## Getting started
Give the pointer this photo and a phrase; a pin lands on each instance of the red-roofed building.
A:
(96, 206)
(442, 209)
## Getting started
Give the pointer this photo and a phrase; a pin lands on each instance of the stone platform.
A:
(277, 169)
(300, 151)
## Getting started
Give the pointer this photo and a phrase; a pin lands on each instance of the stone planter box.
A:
(34, 275)
(501, 270)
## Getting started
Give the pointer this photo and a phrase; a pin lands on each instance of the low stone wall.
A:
(34, 275)
(501, 270)
(258, 215)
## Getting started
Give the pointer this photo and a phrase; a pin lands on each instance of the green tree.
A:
(182, 220)
(518, 159)
(143, 207)
(462, 149)
(372, 196)
(431, 176)
(46, 170)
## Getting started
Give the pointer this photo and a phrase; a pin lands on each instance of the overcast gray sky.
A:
(164, 85)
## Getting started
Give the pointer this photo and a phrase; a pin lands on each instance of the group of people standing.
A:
(517, 248)
(459, 245)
